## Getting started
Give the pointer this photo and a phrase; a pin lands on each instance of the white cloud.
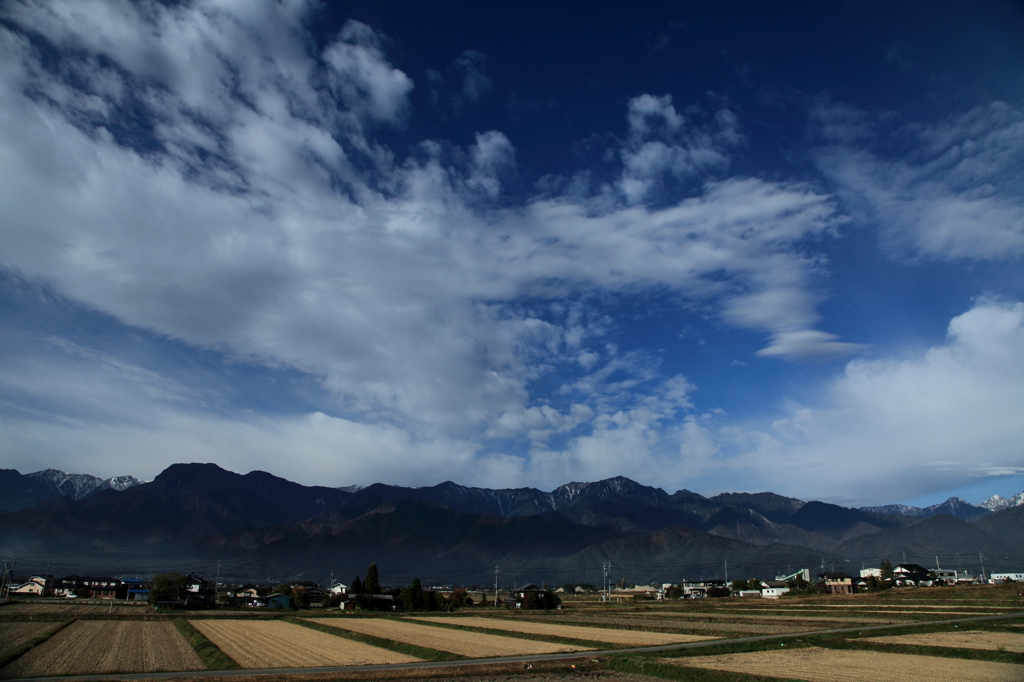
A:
(238, 222)
(892, 429)
(954, 192)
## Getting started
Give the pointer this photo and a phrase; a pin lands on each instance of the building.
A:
(1006, 577)
(773, 589)
(279, 601)
(837, 582)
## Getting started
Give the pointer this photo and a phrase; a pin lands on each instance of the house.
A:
(871, 572)
(339, 588)
(773, 589)
(837, 582)
(96, 588)
(909, 568)
(35, 585)
(199, 591)
(279, 601)
(698, 589)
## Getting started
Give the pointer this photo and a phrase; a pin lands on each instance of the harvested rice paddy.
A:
(276, 644)
(626, 637)
(970, 639)
(462, 643)
(836, 665)
(96, 647)
(14, 635)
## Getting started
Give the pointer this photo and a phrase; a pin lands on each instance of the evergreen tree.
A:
(372, 583)
(357, 586)
(886, 570)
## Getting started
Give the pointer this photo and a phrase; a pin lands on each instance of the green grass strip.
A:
(209, 653)
(32, 643)
(391, 645)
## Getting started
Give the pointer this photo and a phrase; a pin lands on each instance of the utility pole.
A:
(727, 572)
(607, 566)
(496, 569)
(7, 579)
(904, 556)
(937, 567)
(981, 555)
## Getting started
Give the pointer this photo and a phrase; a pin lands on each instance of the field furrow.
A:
(275, 644)
(627, 637)
(471, 644)
(830, 665)
(102, 647)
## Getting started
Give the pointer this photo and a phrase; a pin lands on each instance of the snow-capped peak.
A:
(998, 503)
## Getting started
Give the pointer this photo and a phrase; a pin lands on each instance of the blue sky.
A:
(719, 246)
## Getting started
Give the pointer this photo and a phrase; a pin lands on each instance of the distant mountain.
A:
(19, 491)
(997, 503)
(954, 507)
(258, 524)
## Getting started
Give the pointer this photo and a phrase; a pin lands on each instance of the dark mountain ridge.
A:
(259, 522)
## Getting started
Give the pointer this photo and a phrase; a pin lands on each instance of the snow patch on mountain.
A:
(80, 486)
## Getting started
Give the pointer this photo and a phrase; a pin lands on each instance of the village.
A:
(192, 591)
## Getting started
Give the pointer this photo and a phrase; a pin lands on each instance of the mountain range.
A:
(257, 525)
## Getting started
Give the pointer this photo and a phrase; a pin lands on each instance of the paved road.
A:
(576, 655)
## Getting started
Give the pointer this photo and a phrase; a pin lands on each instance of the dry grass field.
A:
(828, 665)
(14, 635)
(102, 647)
(969, 639)
(626, 637)
(275, 644)
(470, 644)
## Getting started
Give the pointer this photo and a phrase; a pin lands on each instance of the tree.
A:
(886, 569)
(412, 596)
(739, 584)
(168, 587)
(754, 584)
(300, 596)
(357, 586)
(283, 588)
(372, 583)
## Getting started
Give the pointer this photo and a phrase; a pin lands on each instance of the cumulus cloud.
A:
(250, 210)
(662, 142)
(949, 190)
(892, 429)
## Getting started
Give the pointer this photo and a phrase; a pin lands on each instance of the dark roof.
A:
(836, 575)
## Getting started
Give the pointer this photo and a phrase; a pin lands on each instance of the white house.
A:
(773, 589)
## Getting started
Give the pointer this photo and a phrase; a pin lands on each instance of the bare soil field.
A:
(275, 644)
(628, 637)
(100, 647)
(827, 665)
(14, 635)
(970, 639)
(471, 644)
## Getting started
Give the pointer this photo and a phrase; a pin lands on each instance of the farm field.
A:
(470, 644)
(276, 644)
(970, 639)
(101, 647)
(814, 664)
(14, 635)
(70, 608)
(627, 637)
